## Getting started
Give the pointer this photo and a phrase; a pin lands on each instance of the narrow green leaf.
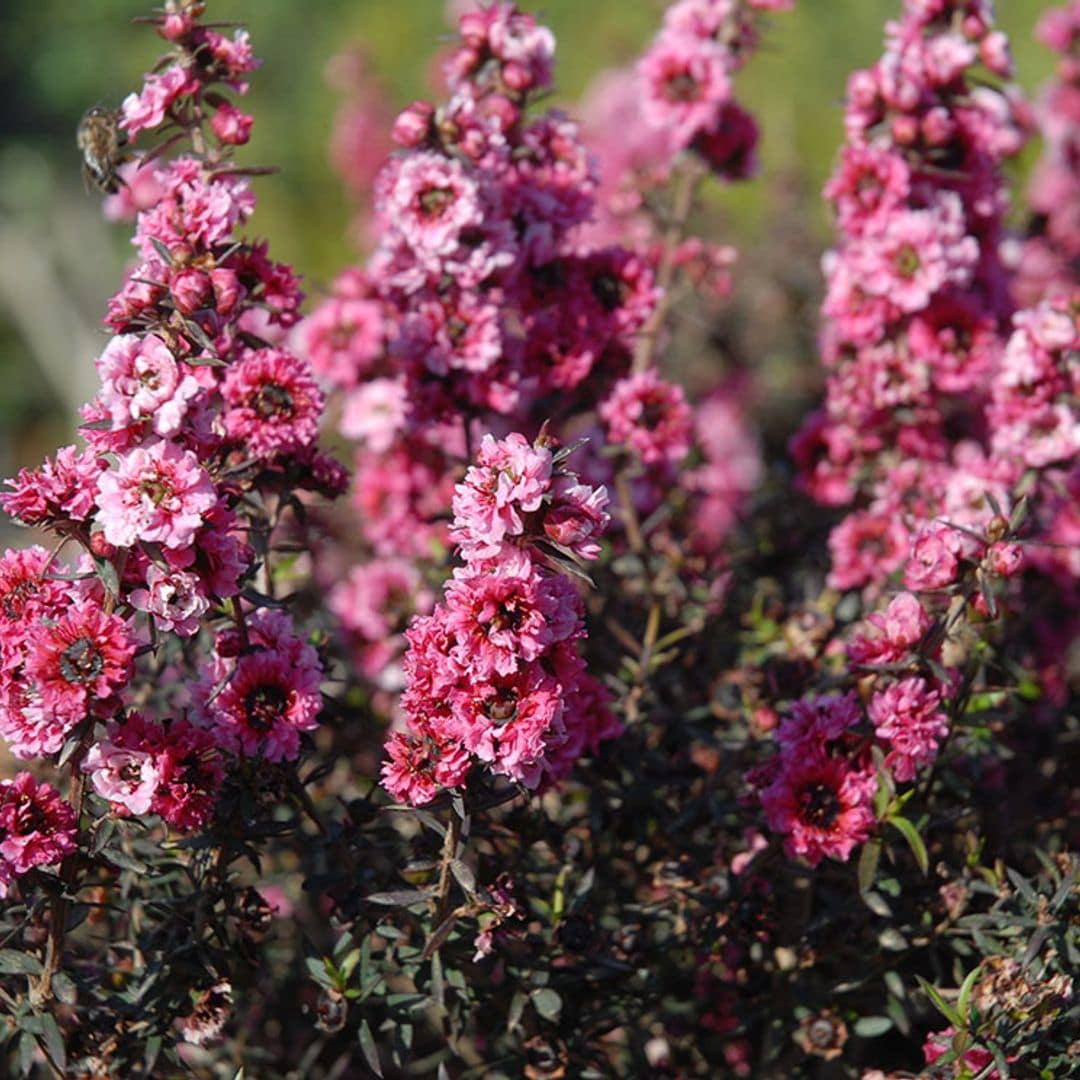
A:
(915, 841)
(964, 998)
(939, 1003)
(54, 1042)
(869, 858)
(370, 1050)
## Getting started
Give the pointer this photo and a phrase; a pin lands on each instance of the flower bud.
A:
(190, 290)
(413, 125)
(231, 126)
(227, 290)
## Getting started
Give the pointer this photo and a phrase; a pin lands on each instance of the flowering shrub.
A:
(581, 730)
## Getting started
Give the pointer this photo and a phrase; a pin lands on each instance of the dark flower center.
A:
(264, 707)
(503, 707)
(14, 601)
(682, 87)
(29, 817)
(272, 402)
(607, 290)
(81, 662)
(820, 805)
(131, 773)
(907, 261)
(434, 201)
(157, 488)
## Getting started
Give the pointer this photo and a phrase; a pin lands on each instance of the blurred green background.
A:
(59, 262)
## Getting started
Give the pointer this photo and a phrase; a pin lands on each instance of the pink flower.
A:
(376, 412)
(80, 662)
(147, 109)
(141, 380)
(176, 600)
(127, 777)
(684, 83)
(29, 729)
(866, 547)
(139, 191)
(934, 562)
(27, 596)
(274, 405)
(421, 763)
(577, 517)
(157, 493)
(650, 417)
(889, 636)
(503, 620)
(266, 703)
(37, 828)
(342, 338)
(62, 490)
(822, 807)
(510, 722)
(230, 125)
(432, 202)
(912, 254)
(871, 182)
(907, 715)
(508, 482)
(813, 724)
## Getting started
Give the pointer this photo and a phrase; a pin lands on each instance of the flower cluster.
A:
(678, 97)
(818, 791)
(204, 427)
(493, 673)
(1050, 253)
(917, 295)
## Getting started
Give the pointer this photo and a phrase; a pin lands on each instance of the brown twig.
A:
(41, 992)
(687, 181)
(449, 853)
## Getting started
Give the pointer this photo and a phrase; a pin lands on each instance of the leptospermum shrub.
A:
(581, 731)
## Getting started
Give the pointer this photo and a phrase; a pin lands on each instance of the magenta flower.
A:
(37, 828)
(500, 622)
(27, 595)
(421, 763)
(157, 493)
(822, 807)
(273, 403)
(81, 662)
(64, 489)
(813, 724)
(650, 417)
(267, 702)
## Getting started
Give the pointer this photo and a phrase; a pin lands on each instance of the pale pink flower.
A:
(141, 380)
(127, 777)
(176, 599)
(156, 493)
